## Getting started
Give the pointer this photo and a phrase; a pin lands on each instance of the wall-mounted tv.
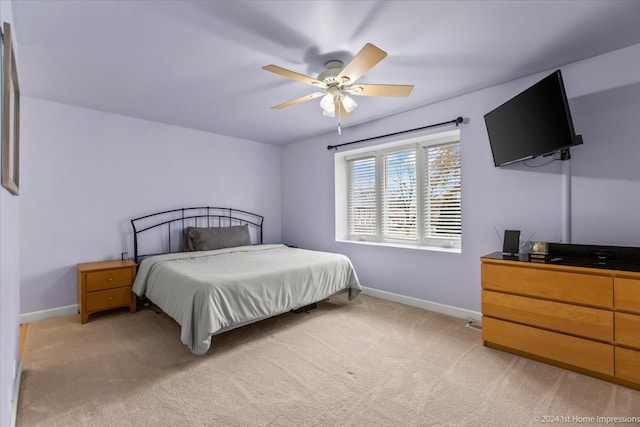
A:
(534, 123)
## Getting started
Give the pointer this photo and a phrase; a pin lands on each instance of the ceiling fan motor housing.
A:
(332, 69)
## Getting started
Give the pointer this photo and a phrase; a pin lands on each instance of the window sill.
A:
(403, 246)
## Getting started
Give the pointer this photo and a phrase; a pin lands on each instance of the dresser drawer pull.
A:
(110, 298)
(111, 279)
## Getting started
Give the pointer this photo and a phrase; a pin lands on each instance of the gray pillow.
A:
(187, 243)
(207, 239)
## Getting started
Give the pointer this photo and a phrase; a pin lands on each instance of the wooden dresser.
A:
(105, 285)
(586, 319)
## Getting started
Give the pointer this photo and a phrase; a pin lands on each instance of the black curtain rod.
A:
(457, 121)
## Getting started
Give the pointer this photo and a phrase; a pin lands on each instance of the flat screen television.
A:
(536, 122)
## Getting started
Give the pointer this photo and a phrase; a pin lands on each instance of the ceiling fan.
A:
(337, 82)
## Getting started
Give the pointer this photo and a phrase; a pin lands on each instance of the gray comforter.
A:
(213, 291)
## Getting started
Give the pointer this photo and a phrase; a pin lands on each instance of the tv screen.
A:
(534, 123)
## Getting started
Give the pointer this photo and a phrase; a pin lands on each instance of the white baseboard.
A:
(449, 310)
(16, 394)
(48, 314)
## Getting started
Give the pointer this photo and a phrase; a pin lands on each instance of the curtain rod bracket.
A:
(457, 121)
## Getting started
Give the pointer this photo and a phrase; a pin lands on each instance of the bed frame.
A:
(162, 232)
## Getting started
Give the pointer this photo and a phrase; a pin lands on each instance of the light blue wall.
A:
(606, 174)
(86, 174)
(9, 276)
(604, 98)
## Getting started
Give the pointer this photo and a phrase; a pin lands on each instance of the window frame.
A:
(343, 169)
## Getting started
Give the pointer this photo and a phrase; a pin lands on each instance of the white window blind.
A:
(362, 197)
(403, 193)
(399, 212)
(442, 185)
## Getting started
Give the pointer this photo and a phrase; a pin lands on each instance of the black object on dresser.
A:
(626, 258)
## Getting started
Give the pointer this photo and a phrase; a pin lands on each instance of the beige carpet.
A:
(365, 363)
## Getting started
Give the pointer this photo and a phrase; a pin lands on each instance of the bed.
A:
(209, 270)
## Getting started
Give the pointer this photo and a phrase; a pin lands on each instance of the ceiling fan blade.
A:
(293, 75)
(298, 100)
(364, 60)
(381, 90)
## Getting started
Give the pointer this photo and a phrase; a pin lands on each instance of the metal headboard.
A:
(166, 228)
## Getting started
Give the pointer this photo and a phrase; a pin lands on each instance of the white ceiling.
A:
(197, 64)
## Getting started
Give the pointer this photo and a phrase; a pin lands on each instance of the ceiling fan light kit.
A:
(336, 83)
(328, 101)
(335, 97)
(348, 103)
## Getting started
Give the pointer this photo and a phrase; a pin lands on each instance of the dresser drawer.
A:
(107, 279)
(110, 298)
(588, 289)
(627, 294)
(571, 319)
(578, 352)
(628, 365)
(628, 330)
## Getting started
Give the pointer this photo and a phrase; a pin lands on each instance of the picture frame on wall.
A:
(10, 126)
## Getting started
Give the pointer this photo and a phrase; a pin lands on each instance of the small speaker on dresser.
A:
(511, 242)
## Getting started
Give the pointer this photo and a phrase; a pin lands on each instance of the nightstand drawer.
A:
(108, 279)
(102, 300)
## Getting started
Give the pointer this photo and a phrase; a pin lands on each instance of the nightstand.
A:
(105, 285)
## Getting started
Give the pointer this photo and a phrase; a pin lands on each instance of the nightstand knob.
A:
(110, 298)
(110, 279)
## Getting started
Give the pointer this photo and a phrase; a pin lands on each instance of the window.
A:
(362, 197)
(399, 195)
(406, 193)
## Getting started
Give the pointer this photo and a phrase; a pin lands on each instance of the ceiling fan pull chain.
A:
(339, 108)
